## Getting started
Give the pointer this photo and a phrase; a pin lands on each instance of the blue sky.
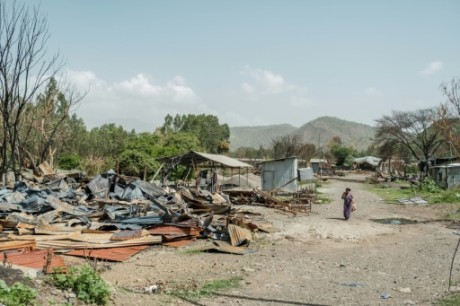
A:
(254, 62)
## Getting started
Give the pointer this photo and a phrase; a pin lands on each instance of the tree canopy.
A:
(414, 130)
(213, 136)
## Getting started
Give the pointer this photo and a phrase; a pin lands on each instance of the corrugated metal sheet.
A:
(277, 173)
(37, 260)
(225, 247)
(178, 243)
(112, 254)
(126, 235)
(371, 160)
(16, 245)
(238, 235)
(174, 230)
(193, 158)
(224, 160)
(66, 244)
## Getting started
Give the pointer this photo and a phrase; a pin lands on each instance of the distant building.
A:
(366, 163)
(320, 166)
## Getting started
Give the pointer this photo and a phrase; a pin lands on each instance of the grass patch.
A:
(450, 300)
(85, 282)
(427, 190)
(17, 294)
(321, 199)
(208, 289)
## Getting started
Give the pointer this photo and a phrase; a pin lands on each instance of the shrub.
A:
(429, 185)
(17, 294)
(86, 283)
(69, 161)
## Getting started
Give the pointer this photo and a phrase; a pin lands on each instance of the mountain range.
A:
(318, 132)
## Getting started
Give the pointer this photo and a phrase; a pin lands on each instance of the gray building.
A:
(320, 166)
(446, 176)
(279, 174)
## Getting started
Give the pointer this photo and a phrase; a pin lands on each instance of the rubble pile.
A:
(113, 217)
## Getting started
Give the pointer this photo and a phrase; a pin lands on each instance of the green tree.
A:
(178, 143)
(74, 145)
(138, 156)
(213, 136)
(340, 153)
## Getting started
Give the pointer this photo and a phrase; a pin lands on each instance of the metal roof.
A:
(447, 166)
(373, 161)
(279, 159)
(193, 158)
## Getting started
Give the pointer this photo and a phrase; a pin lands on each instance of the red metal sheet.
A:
(36, 260)
(111, 254)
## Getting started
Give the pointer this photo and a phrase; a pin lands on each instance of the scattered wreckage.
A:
(113, 217)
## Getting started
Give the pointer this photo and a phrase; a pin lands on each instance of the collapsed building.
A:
(112, 216)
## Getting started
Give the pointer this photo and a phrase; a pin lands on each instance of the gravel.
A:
(315, 259)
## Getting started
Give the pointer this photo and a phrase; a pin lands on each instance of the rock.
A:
(246, 269)
(403, 290)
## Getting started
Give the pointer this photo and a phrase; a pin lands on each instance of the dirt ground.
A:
(315, 259)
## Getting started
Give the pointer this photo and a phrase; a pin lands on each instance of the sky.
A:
(253, 63)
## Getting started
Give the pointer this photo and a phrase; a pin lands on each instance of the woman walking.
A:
(348, 203)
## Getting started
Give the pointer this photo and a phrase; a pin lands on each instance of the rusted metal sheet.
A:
(112, 254)
(44, 227)
(238, 235)
(174, 230)
(126, 235)
(225, 247)
(81, 244)
(16, 245)
(178, 243)
(37, 260)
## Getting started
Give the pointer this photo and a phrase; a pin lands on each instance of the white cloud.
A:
(374, 92)
(265, 84)
(137, 103)
(139, 85)
(180, 91)
(247, 87)
(265, 81)
(431, 68)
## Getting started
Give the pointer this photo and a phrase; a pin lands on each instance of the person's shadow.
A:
(336, 219)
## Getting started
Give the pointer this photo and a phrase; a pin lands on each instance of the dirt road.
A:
(316, 259)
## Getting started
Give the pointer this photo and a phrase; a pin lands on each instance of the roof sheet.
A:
(193, 158)
(453, 165)
(37, 260)
(112, 254)
(373, 161)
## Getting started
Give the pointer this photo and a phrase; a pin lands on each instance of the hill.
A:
(319, 131)
(256, 136)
